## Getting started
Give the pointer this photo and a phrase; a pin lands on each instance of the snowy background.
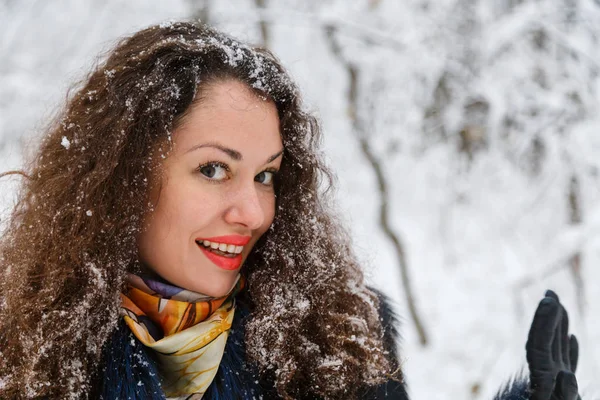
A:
(479, 118)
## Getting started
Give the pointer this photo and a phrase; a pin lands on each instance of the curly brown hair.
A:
(71, 238)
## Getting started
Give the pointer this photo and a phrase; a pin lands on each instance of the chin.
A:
(215, 289)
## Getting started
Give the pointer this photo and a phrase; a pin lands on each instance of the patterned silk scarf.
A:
(187, 331)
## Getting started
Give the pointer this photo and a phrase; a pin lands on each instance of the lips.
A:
(223, 262)
(228, 263)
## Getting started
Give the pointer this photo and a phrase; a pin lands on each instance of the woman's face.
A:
(217, 191)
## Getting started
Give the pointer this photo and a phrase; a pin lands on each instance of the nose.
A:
(245, 207)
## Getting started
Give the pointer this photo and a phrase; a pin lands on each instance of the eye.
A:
(266, 177)
(214, 170)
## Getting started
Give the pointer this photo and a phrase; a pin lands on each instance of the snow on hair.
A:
(71, 237)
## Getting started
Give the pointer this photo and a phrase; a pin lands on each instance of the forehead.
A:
(231, 113)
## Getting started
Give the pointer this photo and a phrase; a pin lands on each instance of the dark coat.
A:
(129, 370)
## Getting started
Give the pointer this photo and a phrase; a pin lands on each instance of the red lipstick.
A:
(227, 263)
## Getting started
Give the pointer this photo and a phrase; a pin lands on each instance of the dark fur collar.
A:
(129, 371)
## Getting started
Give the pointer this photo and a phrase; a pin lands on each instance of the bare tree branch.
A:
(264, 28)
(366, 34)
(200, 10)
(575, 261)
(360, 133)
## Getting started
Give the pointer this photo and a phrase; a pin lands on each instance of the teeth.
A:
(231, 248)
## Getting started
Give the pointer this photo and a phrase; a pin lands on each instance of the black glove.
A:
(551, 353)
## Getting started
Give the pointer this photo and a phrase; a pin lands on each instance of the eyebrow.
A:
(234, 154)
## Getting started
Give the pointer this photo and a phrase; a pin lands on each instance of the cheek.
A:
(181, 204)
(171, 213)
(269, 212)
(147, 240)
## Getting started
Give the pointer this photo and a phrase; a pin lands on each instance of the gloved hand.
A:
(551, 353)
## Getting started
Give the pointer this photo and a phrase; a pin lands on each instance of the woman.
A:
(170, 241)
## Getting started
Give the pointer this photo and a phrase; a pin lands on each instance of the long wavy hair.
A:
(71, 237)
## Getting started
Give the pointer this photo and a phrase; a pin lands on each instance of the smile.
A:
(221, 247)
(224, 251)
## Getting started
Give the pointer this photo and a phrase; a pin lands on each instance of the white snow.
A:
(65, 142)
(483, 238)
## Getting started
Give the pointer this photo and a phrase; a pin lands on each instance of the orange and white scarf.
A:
(186, 330)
